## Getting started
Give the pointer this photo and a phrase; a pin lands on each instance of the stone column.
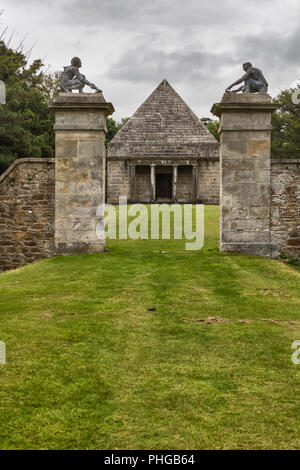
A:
(80, 131)
(195, 184)
(174, 187)
(132, 183)
(153, 188)
(245, 145)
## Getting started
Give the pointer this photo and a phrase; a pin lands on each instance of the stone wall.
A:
(143, 183)
(285, 206)
(26, 212)
(184, 184)
(118, 180)
(209, 181)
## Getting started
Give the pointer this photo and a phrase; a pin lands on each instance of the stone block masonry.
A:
(245, 173)
(285, 207)
(119, 180)
(26, 212)
(80, 160)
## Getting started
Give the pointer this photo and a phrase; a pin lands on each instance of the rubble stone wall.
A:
(26, 212)
(285, 206)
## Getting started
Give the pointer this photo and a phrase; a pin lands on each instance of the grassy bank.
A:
(107, 351)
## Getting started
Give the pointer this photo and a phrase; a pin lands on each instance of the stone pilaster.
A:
(153, 184)
(194, 183)
(80, 154)
(245, 146)
(174, 181)
(132, 182)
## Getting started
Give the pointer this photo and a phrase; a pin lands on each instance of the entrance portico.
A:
(163, 181)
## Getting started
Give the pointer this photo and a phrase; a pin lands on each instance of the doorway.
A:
(164, 186)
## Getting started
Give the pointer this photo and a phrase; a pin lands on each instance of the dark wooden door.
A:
(164, 186)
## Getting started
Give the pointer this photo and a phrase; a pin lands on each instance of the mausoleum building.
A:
(164, 153)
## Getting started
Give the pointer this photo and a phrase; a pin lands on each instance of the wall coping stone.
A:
(20, 161)
(285, 161)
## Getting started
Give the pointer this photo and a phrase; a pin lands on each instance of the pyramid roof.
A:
(163, 126)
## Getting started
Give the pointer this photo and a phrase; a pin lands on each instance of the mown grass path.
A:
(90, 367)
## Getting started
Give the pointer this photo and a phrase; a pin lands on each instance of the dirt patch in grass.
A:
(275, 293)
(208, 320)
(217, 319)
(277, 321)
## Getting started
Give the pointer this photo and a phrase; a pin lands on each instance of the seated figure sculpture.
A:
(254, 81)
(72, 79)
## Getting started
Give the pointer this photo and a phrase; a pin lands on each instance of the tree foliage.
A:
(26, 123)
(113, 127)
(286, 125)
(212, 126)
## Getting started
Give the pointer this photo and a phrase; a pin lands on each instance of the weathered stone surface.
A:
(285, 206)
(26, 212)
(257, 249)
(245, 127)
(164, 132)
(80, 170)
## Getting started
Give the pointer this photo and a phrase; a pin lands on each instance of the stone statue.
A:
(254, 81)
(72, 79)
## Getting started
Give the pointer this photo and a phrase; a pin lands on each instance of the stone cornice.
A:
(243, 102)
(81, 101)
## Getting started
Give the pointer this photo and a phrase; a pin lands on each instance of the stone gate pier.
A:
(245, 173)
(80, 155)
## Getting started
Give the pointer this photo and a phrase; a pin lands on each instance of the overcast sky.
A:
(129, 46)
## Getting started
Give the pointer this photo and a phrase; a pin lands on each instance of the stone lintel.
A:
(183, 161)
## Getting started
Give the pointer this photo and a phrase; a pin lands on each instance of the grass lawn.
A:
(90, 367)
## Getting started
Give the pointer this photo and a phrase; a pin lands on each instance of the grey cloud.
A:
(145, 13)
(144, 64)
(277, 54)
(271, 47)
(129, 46)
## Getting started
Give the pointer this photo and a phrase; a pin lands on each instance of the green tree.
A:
(286, 125)
(26, 123)
(212, 125)
(113, 127)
